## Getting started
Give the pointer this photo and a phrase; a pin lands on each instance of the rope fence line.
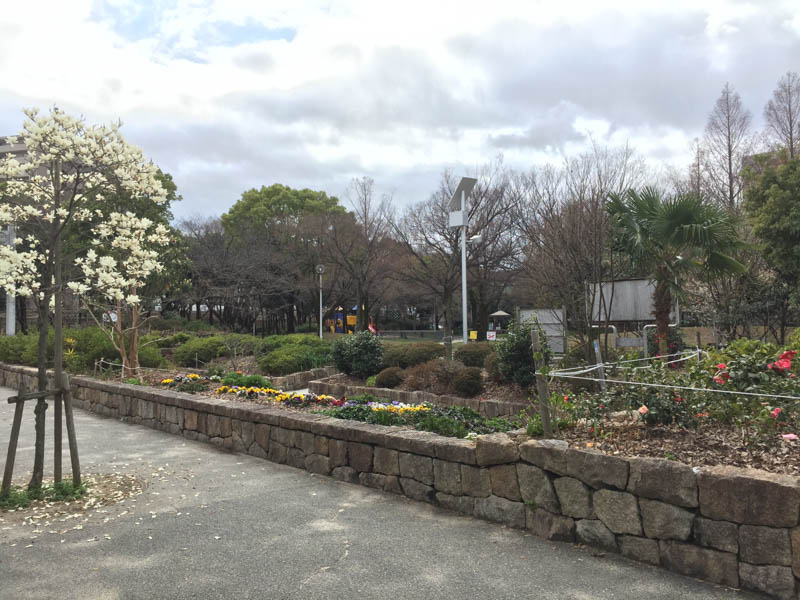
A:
(590, 368)
(675, 387)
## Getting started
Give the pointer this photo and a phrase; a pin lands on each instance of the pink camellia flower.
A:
(775, 412)
(643, 410)
(789, 436)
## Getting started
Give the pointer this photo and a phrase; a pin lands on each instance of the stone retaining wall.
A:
(488, 408)
(730, 526)
(297, 381)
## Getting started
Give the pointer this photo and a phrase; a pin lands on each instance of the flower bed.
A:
(459, 422)
(739, 406)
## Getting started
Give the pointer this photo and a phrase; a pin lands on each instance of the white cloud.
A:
(227, 94)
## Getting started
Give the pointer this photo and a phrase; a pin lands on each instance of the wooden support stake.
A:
(599, 358)
(541, 386)
(12, 449)
(57, 425)
(73, 442)
(20, 398)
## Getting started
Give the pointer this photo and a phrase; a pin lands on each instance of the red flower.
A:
(722, 366)
(566, 398)
(775, 412)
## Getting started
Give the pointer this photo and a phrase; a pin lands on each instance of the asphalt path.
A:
(210, 524)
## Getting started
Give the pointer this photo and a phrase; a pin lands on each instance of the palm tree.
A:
(669, 238)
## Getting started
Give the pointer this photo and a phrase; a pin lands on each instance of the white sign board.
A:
(491, 336)
(628, 300)
(553, 323)
(457, 218)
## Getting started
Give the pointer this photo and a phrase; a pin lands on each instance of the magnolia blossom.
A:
(91, 161)
(133, 246)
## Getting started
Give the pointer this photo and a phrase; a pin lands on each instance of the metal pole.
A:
(320, 306)
(11, 301)
(464, 269)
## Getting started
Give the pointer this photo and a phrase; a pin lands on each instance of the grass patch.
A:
(64, 491)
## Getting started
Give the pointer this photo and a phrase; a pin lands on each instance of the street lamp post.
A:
(320, 271)
(459, 217)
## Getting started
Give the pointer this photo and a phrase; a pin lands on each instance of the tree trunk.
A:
(130, 363)
(41, 377)
(662, 302)
(22, 314)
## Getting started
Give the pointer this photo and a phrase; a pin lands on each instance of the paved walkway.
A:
(215, 525)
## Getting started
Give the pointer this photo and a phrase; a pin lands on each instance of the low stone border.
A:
(299, 380)
(736, 527)
(488, 408)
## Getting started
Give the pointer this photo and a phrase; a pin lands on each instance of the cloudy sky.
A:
(231, 94)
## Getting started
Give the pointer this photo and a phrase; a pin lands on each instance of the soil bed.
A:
(708, 445)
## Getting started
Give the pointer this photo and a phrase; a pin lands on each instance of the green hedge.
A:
(204, 349)
(293, 358)
(82, 347)
(404, 355)
(474, 354)
(285, 354)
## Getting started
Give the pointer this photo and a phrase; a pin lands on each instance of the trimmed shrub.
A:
(174, 340)
(493, 368)
(284, 354)
(204, 348)
(435, 376)
(198, 326)
(273, 342)
(360, 355)
(19, 349)
(422, 352)
(473, 355)
(291, 359)
(246, 380)
(394, 354)
(468, 382)
(150, 357)
(390, 377)
(405, 355)
(82, 347)
(515, 356)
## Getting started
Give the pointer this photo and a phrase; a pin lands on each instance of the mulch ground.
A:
(58, 517)
(708, 445)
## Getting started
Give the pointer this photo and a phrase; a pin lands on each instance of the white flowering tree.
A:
(69, 165)
(125, 253)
